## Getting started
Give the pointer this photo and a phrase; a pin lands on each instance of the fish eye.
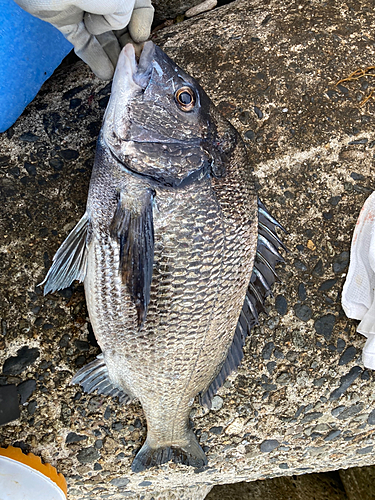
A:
(185, 98)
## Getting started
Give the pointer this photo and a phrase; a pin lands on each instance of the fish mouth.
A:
(129, 72)
(130, 81)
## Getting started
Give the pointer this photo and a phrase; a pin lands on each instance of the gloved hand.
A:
(91, 25)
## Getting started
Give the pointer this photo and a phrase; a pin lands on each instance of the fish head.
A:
(160, 123)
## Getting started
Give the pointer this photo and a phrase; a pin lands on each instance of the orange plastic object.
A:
(35, 463)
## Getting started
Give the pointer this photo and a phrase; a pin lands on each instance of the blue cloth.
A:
(30, 50)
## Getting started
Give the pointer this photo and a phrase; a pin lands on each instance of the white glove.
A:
(90, 24)
(358, 298)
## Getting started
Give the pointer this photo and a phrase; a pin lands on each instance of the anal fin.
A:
(94, 377)
(70, 261)
(262, 279)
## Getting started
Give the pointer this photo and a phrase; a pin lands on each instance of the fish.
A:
(176, 252)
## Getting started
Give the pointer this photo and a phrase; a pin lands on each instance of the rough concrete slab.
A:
(359, 482)
(323, 486)
(302, 400)
(169, 9)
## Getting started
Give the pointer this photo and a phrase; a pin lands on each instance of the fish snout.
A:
(129, 71)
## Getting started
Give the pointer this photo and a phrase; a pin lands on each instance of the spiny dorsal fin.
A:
(94, 377)
(70, 260)
(133, 227)
(262, 279)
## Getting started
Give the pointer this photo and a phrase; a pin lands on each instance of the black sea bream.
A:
(176, 252)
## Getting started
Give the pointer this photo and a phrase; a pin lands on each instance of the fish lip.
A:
(145, 65)
(128, 68)
(129, 81)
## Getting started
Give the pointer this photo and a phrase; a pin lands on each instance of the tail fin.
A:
(189, 454)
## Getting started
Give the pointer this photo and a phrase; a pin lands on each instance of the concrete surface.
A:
(169, 9)
(359, 482)
(323, 486)
(302, 400)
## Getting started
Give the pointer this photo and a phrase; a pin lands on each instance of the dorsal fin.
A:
(262, 279)
(133, 226)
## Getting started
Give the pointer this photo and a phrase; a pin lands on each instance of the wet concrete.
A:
(302, 400)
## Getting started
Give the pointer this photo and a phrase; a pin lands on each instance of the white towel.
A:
(358, 292)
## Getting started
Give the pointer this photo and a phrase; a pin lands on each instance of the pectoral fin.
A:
(70, 260)
(133, 226)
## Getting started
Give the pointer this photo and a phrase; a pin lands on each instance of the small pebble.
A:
(25, 389)
(145, 483)
(267, 350)
(336, 411)
(17, 364)
(69, 154)
(72, 437)
(278, 354)
(327, 285)
(269, 445)
(327, 215)
(283, 378)
(120, 481)
(29, 137)
(250, 135)
(319, 382)
(334, 200)
(324, 325)
(202, 7)
(217, 403)
(302, 292)
(98, 444)
(303, 312)
(81, 345)
(117, 426)
(271, 366)
(216, 430)
(258, 112)
(88, 455)
(31, 407)
(348, 355)
(318, 268)
(346, 382)
(364, 451)
(309, 417)
(298, 264)
(103, 102)
(371, 418)
(332, 435)
(281, 305)
(340, 262)
(340, 345)
(350, 411)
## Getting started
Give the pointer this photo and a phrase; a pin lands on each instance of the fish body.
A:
(166, 250)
